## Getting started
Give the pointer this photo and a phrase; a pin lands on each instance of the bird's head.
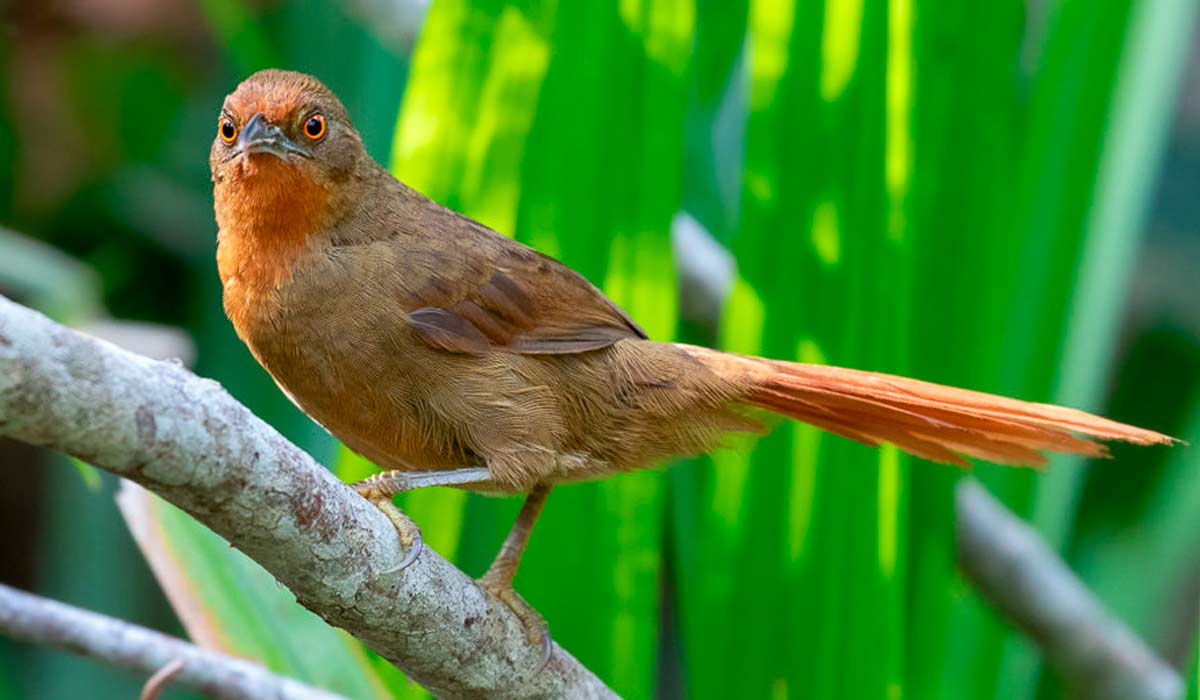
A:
(284, 146)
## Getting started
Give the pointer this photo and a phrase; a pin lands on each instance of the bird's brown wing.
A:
(512, 298)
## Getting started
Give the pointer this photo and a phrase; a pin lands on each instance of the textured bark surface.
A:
(187, 440)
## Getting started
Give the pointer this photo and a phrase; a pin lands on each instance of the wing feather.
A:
(514, 299)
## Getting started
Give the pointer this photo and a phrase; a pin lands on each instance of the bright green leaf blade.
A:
(813, 554)
(1008, 191)
(966, 117)
(1144, 44)
(1148, 79)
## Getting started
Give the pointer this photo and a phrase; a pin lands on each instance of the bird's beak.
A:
(261, 136)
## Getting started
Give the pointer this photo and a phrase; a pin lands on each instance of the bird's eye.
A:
(314, 128)
(227, 130)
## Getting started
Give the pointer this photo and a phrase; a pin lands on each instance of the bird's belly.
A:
(365, 395)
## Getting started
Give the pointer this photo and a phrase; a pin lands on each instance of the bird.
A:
(450, 355)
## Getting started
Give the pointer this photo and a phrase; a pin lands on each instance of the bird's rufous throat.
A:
(450, 355)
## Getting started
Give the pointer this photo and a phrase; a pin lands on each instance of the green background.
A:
(995, 195)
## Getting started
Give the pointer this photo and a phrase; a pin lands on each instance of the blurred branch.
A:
(187, 440)
(706, 271)
(67, 289)
(156, 341)
(396, 23)
(40, 620)
(48, 278)
(1022, 578)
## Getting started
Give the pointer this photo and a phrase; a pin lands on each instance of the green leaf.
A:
(808, 535)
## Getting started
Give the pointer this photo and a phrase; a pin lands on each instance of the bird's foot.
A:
(409, 532)
(536, 629)
(379, 489)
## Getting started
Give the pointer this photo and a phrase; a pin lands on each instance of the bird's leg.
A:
(380, 488)
(499, 577)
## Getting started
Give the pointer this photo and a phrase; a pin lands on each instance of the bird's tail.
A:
(929, 420)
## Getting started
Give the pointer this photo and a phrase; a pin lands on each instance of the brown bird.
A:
(451, 355)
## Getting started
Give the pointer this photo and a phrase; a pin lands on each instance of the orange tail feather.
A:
(929, 420)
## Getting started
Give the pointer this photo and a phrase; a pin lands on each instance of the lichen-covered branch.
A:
(39, 620)
(186, 439)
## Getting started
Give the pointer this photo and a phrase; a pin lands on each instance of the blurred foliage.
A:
(1193, 670)
(951, 190)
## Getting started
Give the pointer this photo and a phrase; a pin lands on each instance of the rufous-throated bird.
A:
(451, 355)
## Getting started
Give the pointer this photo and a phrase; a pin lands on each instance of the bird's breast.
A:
(348, 359)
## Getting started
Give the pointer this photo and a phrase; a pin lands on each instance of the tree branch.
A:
(187, 440)
(40, 620)
(1017, 573)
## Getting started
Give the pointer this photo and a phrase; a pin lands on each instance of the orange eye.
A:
(227, 130)
(314, 128)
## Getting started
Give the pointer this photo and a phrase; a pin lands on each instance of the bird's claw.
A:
(408, 531)
(415, 547)
(536, 629)
(547, 649)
